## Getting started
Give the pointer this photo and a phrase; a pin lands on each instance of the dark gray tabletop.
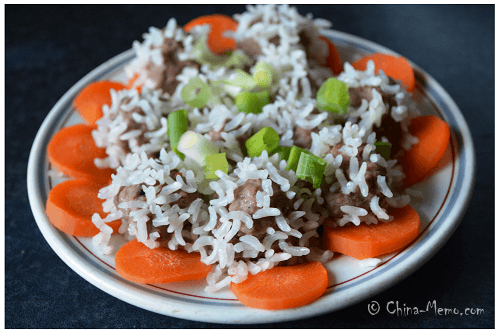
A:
(48, 49)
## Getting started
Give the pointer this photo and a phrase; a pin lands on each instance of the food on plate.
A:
(232, 157)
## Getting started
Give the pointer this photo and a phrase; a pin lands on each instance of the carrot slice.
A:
(366, 241)
(71, 204)
(395, 67)
(217, 42)
(283, 287)
(333, 60)
(136, 262)
(422, 159)
(88, 103)
(72, 151)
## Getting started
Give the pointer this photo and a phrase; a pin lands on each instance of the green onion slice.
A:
(203, 55)
(264, 74)
(196, 147)
(283, 152)
(311, 168)
(237, 59)
(214, 163)
(251, 102)
(384, 149)
(177, 125)
(265, 139)
(333, 96)
(240, 79)
(196, 93)
(294, 157)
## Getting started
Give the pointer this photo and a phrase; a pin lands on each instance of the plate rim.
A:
(128, 292)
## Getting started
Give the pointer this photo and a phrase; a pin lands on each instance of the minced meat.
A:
(302, 137)
(164, 76)
(135, 192)
(333, 201)
(245, 199)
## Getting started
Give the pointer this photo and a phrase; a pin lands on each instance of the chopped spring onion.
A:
(237, 59)
(196, 93)
(333, 96)
(214, 163)
(264, 74)
(177, 125)
(251, 102)
(384, 149)
(283, 152)
(196, 147)
(203, 55)
(311, 168)
(294, 157)
(265, 139)
(239, 78)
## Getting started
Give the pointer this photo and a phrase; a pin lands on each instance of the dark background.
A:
(49, 48)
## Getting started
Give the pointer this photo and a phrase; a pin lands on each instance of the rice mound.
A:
(164, 201)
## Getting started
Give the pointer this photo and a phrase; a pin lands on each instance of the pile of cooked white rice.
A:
(134, 132)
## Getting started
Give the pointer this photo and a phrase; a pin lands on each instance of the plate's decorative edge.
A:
(257, 316)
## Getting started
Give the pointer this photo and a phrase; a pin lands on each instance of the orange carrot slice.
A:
(395, 67)
(88, 103)
(366, 241)
(433, 136)
(283, 287)
(136, 262)
(333, 60)
(71, 204)
(217, 42)
(72, 151)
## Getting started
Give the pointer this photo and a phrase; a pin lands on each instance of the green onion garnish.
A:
(384, 149)
(176, 126)
(242, 79)
(203, 55)
(251, 102)
(237, 59)
(283, 152)
(311, 168)
(264, 74)
(196, 93)
(265, 139)
(294, 157)
(214, 163)
(196, 147)
(333, 96)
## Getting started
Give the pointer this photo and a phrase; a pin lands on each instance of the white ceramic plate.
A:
(447, 194)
